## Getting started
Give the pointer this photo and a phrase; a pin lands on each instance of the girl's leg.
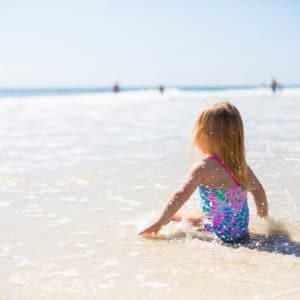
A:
(194, 220)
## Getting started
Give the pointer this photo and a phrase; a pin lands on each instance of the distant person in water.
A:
(274, 85)
(116, 88)
(161, 89)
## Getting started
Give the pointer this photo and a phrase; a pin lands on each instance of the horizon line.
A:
(105, 87)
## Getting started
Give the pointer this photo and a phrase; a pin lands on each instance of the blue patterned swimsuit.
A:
(226, 210)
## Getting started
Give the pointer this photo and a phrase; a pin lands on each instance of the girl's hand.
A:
(155, 227)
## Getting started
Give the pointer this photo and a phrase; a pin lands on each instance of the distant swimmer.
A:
(116, 88)
(161, 89)
(274, 85)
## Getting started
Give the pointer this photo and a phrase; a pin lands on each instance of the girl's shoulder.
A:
(214, 174)
(202, 165)
(202, 169)
(206, 165)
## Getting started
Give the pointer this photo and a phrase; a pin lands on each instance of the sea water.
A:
(81, 174)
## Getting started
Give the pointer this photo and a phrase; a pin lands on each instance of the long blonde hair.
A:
(222, 127)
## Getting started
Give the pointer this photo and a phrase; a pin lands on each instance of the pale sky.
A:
(96, 43)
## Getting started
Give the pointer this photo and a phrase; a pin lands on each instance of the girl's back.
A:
(224, 202)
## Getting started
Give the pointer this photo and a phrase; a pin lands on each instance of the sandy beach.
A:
(80, 175)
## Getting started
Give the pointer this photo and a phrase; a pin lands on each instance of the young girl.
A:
(222, 177)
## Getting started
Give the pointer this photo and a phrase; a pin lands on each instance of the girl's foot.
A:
(193, 220)
(177, 218)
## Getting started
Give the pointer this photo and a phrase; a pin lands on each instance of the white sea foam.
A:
(5, 204)
(24, 262)
(134, 253)
(112, 262)
(74, 200)
(71, 273)
(154, 284)
(17, 279)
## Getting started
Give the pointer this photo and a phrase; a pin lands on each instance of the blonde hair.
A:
(222, 127)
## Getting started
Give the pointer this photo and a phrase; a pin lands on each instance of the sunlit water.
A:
(80, 175)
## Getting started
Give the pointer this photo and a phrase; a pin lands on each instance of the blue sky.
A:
(97, 43)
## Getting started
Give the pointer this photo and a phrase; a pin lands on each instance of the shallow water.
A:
(80, 175)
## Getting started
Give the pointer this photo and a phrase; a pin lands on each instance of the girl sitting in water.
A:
(223, 178)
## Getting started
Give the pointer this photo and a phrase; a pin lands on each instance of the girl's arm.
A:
(259, 195)
(177, 199)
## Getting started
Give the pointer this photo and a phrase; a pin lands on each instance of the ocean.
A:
(58, 91)
(83, 170)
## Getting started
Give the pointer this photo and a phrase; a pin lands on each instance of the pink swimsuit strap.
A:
(221, 163)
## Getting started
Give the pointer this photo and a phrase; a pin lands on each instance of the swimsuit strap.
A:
(221, 163)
